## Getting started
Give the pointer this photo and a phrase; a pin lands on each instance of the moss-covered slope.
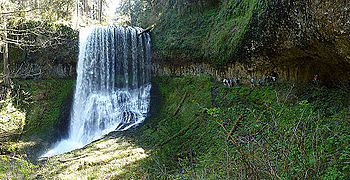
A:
(47, 106)
(202, 130)
(43, 108)
(273, 131)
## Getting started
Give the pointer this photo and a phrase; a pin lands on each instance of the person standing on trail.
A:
(226, 82)
(252, 83)
(260, 82)
(273, 79)
(237, 81)
(315, 79)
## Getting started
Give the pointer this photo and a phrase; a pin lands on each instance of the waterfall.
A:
(113, 84)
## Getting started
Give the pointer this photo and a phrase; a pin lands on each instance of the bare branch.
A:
(22, 34)
(17, 30)
(19, 11)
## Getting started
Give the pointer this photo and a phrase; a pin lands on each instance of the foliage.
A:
(38, 10)
(104, 158)
(11, 120)
(28, 26)
(213, 31)
(43, 105)
(171, 129)
(16, 167)
(274, 131)
(280, 139)
(38, 106)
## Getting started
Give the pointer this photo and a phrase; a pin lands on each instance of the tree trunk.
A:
(67, 12)
(130, 13)
(77, 8)
(100, 11)
(87, 8)
(6, 54)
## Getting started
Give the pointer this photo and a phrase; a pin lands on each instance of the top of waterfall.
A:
(88, 29)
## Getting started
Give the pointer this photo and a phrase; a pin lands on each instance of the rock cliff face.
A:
(294, 40)
(57, 61)
(302, 38)
(232, 71)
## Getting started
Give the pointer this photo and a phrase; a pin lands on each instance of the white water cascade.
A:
(112, 89)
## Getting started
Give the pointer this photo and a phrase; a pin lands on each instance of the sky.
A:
(112, 6)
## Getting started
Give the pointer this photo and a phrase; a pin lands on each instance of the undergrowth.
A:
(280, 131)
(16, 167)
(43, 102)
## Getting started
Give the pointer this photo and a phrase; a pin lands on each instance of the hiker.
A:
(237, 81)
(273, 79)
(315, 79)
(252, 83)
(260, 82)
(232, 82)
(224, 81)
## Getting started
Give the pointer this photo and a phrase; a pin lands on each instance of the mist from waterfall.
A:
(113, 84)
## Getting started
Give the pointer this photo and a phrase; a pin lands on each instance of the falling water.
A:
(113, 89)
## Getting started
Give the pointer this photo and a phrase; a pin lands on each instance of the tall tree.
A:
(6, 54)
(100, 9)
(5, 44)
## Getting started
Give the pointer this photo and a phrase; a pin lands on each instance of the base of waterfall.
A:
(116, 117)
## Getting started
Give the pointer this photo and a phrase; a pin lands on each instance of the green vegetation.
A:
(274, 131)
(281, 130)
(39, 104)
(213, 31)
(33, 113)
(44, 105)
(16, 167)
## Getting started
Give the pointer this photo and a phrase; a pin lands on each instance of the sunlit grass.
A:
(105, 158)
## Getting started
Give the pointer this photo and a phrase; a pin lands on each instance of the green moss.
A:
(281, 124)
(44, 105)
(172, 131)
(215, 34)
(16, 167)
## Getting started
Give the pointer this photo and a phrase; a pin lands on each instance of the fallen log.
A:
(180, 133)
(181, 102)
(147, 30)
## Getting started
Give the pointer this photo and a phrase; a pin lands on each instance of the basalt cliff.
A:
(293, 40)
